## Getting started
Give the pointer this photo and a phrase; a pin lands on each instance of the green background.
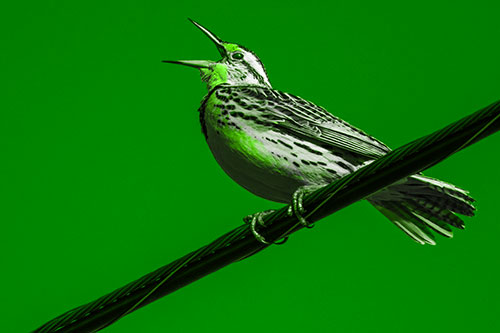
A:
(105, 175)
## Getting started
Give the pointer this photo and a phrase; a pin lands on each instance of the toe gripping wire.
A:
(258, 219)
(296, 208)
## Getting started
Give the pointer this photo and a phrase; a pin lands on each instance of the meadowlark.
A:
(280, 147)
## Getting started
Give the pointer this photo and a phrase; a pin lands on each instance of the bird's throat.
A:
(214, 75)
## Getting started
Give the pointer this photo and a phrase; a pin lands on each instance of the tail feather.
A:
(422, 205)
(445, 216)
(439, 226)
(436, 204)
(406, 221)
(443, 187)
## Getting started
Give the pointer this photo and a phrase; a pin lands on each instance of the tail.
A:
(422, 204)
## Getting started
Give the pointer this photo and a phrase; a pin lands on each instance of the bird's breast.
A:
(261, 159)
(237, 141)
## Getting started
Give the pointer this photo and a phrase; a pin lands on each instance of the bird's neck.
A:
(234, 76)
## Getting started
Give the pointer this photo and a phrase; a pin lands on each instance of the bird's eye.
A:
(237, 56)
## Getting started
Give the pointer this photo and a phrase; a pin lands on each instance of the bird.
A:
(281, 147)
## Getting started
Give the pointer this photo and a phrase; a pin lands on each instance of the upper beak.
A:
(213, 38)
(202, 63)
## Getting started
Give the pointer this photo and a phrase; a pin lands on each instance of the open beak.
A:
(202, 63)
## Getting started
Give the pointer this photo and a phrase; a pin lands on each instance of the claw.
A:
(296, 207)
(259, 218)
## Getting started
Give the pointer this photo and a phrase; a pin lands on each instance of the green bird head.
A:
(238, 66)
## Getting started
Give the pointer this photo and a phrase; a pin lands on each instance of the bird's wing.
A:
(310, 122)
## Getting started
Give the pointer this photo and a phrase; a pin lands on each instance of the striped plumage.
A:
(273, 144)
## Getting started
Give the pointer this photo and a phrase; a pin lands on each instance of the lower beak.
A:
(190, 63)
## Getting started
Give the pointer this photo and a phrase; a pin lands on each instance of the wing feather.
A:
(310, 122)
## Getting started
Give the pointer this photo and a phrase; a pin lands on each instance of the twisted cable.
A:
(240, 242)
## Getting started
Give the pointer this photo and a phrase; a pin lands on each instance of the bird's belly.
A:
(271, 166)
(253, 168)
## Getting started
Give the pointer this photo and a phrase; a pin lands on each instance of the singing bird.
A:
(279, 146)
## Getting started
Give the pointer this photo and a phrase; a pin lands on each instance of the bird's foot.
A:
(296, 207)
(253, 219)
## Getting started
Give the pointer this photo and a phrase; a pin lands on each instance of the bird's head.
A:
(238, 66)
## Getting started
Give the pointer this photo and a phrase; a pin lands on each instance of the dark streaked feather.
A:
(306, 121)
